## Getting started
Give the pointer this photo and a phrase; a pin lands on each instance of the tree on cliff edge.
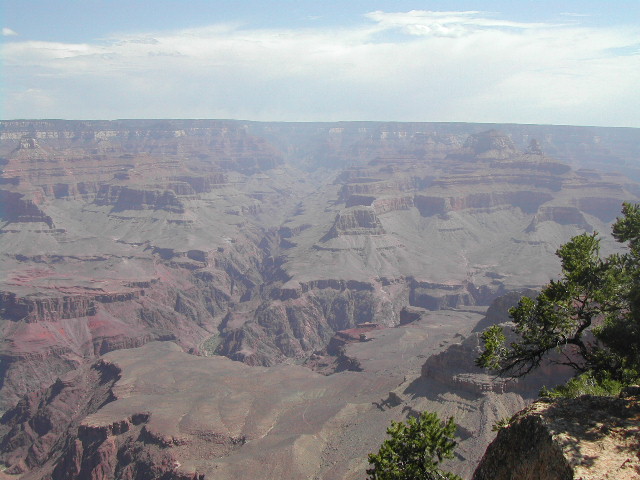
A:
(591, 316)
(414, 449)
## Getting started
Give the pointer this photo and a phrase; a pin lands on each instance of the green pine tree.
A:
(414, 450)
(590, 317)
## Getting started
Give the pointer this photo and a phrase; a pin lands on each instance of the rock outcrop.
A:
(197, 418)
(585, 438)
(356, 221)
(38, 427)
(260, 241)
(455, 367)
(492, 144)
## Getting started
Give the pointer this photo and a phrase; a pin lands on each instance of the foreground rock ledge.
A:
(584, 438)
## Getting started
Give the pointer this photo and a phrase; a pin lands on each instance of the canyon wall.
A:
(586, 437)
(261, 241)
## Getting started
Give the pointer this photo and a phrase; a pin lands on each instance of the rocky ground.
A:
(258, 242)
(224, 419)
(587, 437)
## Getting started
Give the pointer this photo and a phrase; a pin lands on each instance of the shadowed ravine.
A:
(343, 266)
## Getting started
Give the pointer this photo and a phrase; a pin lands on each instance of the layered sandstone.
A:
(261, 241)
(213, 418)
(203, 418)
(198, 417)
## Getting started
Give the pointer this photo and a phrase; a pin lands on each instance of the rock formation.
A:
(121, 418)
(208, 417)
(107, 236)
(261, 241)
(586, 437)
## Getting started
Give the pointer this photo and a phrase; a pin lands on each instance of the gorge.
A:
(213, 298)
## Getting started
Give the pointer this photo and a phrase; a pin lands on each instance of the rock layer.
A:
(260, 241)
(587, 437)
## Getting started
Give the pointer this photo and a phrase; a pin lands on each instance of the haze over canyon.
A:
(227, 299)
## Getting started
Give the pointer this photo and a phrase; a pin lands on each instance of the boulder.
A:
(584, 438)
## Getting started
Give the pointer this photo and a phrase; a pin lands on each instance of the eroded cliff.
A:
(587, 437)
(261, 241)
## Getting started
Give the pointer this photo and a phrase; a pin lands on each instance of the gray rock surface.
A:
(260, 241)
(585, 438)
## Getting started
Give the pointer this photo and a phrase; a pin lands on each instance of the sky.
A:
(546, 62)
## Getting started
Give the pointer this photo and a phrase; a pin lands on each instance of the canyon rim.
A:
(231, 299)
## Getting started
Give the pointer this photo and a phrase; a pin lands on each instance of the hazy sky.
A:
(560, 62)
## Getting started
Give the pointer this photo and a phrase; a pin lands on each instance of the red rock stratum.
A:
(259, 242)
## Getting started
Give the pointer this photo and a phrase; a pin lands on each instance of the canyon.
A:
(218, 298)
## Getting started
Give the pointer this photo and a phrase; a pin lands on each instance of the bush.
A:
(415, 449)
(585, 384)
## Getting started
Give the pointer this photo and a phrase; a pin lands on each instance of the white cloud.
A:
(575, 14)
(31, 99)
(418, 65)
(7, 32)
(453, 24)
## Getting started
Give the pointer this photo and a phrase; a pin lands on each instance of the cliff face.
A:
(198, 418)
(259, 241)
(158, 412)
(586, 438)
(38, 427)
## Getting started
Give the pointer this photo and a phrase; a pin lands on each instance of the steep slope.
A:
(107, 244)
(208, 234)
(224, 419)
(587, 437)
(422, 231)
(216, 418)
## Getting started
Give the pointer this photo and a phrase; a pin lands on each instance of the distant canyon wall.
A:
(259, 241)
